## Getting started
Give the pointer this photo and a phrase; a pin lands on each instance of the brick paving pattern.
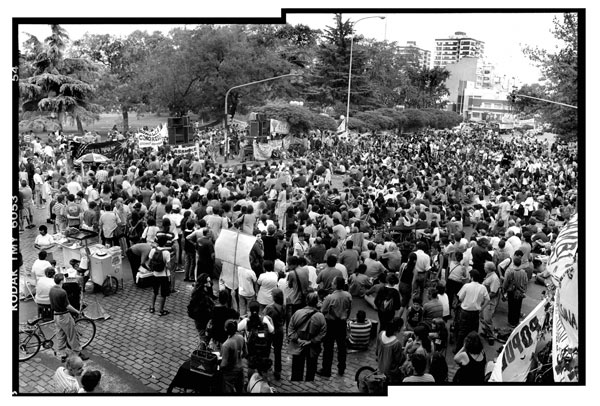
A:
(150, 348)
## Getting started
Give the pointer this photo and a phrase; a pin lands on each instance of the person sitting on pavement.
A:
(359, 332)
(67, 379)
(90, 381)
(359, 282)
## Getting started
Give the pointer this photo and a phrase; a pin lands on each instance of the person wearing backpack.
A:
(387, 301)
(159, 257)
(258, 331)
(73, 212)
(276, 311)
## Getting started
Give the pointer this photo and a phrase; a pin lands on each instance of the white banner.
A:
(182, 150)
(234, 247)
(564, 250)
(281, 127)
(514, 362)
(262, 151)
(342, 127)
(565, 328)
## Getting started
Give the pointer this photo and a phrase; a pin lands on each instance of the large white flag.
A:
(565, 328)
(514, 362)
(564, 250)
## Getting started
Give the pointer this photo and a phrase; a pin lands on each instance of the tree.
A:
(385, 73)
(301, 119)
(59, 84)
(426, 87)
(560, 70)
(120, 83)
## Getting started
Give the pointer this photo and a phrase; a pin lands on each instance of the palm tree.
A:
(57, 85)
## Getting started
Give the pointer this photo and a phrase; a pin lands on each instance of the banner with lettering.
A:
(565, 328)
(185, 150)
(111, 149)
(280, 127)
(514, 362)
(563, 253)
(153, 138)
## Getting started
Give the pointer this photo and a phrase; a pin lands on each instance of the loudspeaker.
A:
(179, 130)
(179, 135)
(265, 128)
(254, 129)
(178, 121)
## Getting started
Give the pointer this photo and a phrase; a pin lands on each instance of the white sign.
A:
(234, 247)
(514, 362)
(564, 251)
(565, 328)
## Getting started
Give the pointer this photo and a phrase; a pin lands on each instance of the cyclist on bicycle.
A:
(65, 324)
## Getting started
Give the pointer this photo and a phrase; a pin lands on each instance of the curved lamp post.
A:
(237, 87)
(350, 68)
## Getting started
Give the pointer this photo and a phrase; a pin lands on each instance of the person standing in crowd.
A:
(298, 283)
(220, 314)
(389, 352)
(137, 255)
(202, 303)
(492, 284)
(276, 311)
(307, 329)
(515, 286)
(336, 308)
(158, 260)
(65, 324)
(233, 351)
(473, 297)
(471, 360)
(387, 301)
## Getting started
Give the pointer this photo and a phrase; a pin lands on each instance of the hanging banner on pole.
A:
(514, 362)
(564, 250)
(565, 328)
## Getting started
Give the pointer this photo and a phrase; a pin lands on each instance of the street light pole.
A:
(226, 149)
(350, 68)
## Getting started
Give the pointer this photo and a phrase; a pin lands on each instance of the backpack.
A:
(157, 263)
(387, 305)
(258, 340)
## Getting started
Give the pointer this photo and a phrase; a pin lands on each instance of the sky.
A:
(504, 34)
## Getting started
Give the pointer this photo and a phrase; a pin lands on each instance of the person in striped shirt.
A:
(359, 332)
(67, 379)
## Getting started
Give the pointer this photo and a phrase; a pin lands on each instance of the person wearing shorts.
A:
(161, 277)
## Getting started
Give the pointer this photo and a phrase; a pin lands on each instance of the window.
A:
(475, 114)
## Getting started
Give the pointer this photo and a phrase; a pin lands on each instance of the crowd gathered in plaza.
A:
(431, 229)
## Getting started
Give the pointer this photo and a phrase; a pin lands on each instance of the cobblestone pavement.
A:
(147, 349)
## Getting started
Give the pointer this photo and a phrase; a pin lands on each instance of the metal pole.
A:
(549, 101)
(350, 69)
(349, 84)
(226, 149)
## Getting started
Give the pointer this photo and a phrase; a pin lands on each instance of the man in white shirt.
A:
(513, 240)
(73, 186)
(473, 297)
(39, 266)
(422, 267)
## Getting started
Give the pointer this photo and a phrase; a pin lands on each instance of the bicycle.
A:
(32, 336)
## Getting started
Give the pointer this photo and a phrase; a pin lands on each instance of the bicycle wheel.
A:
(361, 374)
(29, 345)
(86, 331)
(110, 285)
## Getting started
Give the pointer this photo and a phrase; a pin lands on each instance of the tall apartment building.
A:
(414, 54)
(457, 46)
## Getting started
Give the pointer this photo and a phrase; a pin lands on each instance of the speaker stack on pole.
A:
(180, 130)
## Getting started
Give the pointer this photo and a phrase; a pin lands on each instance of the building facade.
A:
(453, 49)
(415, 55)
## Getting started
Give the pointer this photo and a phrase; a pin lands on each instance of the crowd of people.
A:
(431, 229)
